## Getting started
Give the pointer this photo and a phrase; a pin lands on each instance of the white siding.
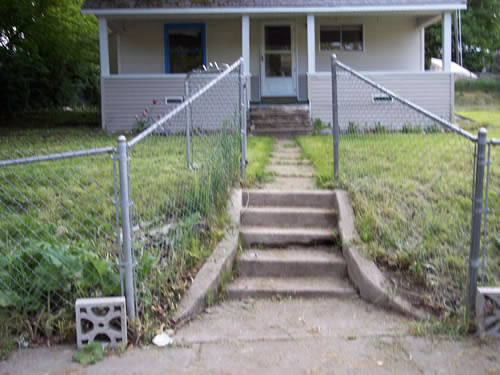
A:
(432, 91)
(142, 49)
(390, 43)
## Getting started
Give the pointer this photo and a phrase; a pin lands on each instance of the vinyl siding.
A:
(125, 97)
(432, 91)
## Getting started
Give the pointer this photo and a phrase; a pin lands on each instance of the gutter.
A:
(274, 10)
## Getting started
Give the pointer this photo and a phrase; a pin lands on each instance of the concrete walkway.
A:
(291, 171)
(283, 337)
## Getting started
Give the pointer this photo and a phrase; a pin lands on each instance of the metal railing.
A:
(417, 178)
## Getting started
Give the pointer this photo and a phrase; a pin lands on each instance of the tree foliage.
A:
(480, 35)
(49, 55)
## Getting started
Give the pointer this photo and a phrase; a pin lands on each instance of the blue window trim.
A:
(177, 26)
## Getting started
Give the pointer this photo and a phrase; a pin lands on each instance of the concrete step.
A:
(291, 263)
(282, 131)
(311, 287)
(289, 217)
(277, 198)
(290, 183)
(275, 236)
(291, 170)
(279, 108)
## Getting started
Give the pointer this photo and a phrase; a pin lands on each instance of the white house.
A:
(148, 46)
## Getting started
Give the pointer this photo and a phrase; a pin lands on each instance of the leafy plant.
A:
(319, 125)
(145, 120)
(49, 275)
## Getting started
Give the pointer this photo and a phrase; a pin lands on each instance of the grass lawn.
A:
(56, 215)
(259, 152)
(411, 195)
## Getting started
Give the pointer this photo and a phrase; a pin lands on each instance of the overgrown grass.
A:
(478, 94)
(50, 211)
(488, 119)
(411, 194)
(259, 152)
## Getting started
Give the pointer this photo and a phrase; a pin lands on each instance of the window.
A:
(185, 47)
(345, 38)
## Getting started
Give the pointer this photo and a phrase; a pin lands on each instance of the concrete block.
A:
(101, 319)
(488, 311)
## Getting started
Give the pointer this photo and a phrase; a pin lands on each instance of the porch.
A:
(286, 56)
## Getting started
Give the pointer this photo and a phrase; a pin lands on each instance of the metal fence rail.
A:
(417, 180)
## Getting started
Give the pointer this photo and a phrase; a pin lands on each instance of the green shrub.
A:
(484, 85)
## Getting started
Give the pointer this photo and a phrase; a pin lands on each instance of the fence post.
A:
(243, 121)
(126, 227)
(335, 119)
(188, 123)
(475, 237)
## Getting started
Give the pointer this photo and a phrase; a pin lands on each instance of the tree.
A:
(49, 55)
(480, 35)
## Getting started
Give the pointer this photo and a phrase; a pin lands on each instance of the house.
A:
(148, 46)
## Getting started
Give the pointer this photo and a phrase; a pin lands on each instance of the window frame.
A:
(341, 27)
(177, 26)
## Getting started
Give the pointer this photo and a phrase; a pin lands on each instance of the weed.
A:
(432, 129)
(353, 128)
(410, 129)
(380, 128)
(89, 354)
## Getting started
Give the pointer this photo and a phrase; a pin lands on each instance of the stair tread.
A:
(310, 255)
(290, 209)
(289, 231)
(291, 285)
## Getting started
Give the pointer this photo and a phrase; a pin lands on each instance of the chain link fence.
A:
(57, 226)
(412, 178)
(131, 220)
(181, 170)
(490, 254)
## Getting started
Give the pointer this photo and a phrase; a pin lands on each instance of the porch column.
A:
(311, 44)
(245, 43)
(446, 42)
(104, 46)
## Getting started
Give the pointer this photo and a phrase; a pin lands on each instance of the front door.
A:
(278, 77)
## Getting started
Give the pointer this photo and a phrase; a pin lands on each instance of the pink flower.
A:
(144, 114)
(137, 117)
(159, 116)
(154, 101)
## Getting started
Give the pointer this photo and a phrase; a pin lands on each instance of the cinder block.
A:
(101, 319)
(488, 311)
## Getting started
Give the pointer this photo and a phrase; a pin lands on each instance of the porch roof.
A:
(111, 7)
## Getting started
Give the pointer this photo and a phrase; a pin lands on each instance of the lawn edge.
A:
(372, 285)
(208, 279)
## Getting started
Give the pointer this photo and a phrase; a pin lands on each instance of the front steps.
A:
(289, 237)
(280, 120)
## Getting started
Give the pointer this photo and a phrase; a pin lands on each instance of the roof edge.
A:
(276, 10)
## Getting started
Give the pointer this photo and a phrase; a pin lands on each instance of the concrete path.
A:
(283, 337)
(291, 171)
